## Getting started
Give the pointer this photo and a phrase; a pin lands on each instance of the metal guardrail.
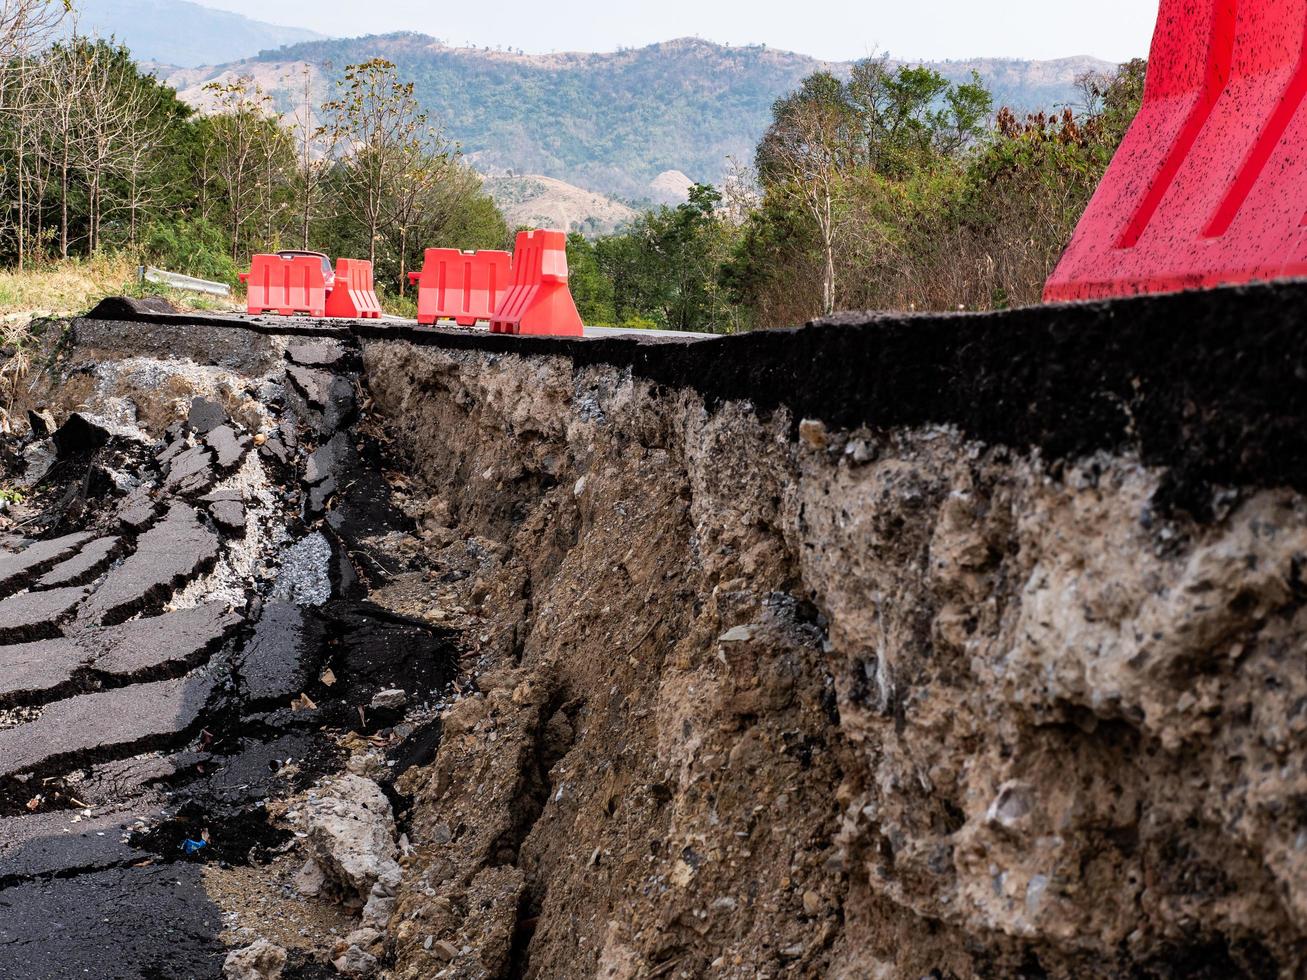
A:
(177, 281)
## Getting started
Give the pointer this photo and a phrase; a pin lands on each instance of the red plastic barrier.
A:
(1210, 185)
(461, 286)
(353, 295)
(286, 286)
(540, 301)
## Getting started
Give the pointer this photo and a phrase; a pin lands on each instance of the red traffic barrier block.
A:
(1209, 186)
(540, 300)
(277, 284)
(461, 286)
(353, 295)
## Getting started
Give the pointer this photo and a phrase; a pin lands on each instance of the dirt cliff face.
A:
(456, 655)
(860, 703)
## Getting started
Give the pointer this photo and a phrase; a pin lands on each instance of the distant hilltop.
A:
(638, 125)
(614, 122)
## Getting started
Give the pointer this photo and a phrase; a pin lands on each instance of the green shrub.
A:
(193, 247)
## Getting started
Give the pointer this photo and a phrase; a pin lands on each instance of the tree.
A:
(379, 128)
(241, 139)
(806, 149)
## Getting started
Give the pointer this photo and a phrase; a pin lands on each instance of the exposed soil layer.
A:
(896, 648)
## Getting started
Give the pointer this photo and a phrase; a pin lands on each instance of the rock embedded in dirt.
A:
(391, 699)
(261, 960)
(350, 835)
(354, 962)
(107, 722)
(169, 554)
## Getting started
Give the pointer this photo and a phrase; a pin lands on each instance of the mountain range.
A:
(176, 32)
(636, 125)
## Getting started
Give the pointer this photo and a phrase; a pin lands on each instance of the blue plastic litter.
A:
(190, 847)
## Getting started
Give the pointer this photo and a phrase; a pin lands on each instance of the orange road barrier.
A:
(277, 284)
(353, 295)
(1209, 186)
(461, 286)
(540, 300)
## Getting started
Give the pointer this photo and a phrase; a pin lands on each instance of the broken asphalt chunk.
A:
(36, 672)
(37, 615)
(277, 663)
(228, 448)
(105, 723)
(168, 555)
(191, 471)
(40, 556)
(205, 416)
(83, 567)
(80, 434)
(177, 639)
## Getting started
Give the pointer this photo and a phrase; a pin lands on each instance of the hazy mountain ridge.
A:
(176, 32)
(613, 122)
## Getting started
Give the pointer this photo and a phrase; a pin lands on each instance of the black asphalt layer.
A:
(136, 717)
(170, 553)
(1209, 383)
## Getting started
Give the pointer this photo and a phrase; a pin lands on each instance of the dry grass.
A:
(76, 285)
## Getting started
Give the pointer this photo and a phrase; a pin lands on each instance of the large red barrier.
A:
(1210, 185)
(461, 286)
(353, 295)
(540, 301)
(277, 284)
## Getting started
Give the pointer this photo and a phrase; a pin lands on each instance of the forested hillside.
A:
(614, 122)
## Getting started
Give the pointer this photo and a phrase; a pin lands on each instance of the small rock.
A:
(350, 834)
(362, 938)
(860, 452)
(356, 963)
(811, 903)
(310, 880)
(813, 433)
(389, 700)
(444, 949)
(42, 423)
(737, 634)
(260, 961)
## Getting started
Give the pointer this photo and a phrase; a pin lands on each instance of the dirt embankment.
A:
(759, 697)
(938, 647)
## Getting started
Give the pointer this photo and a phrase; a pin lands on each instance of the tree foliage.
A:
(97, 155)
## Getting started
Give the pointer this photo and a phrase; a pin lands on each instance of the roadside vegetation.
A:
(893, 188)
(100, 159)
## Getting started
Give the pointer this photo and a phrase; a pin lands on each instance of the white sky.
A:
(1115, 30)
